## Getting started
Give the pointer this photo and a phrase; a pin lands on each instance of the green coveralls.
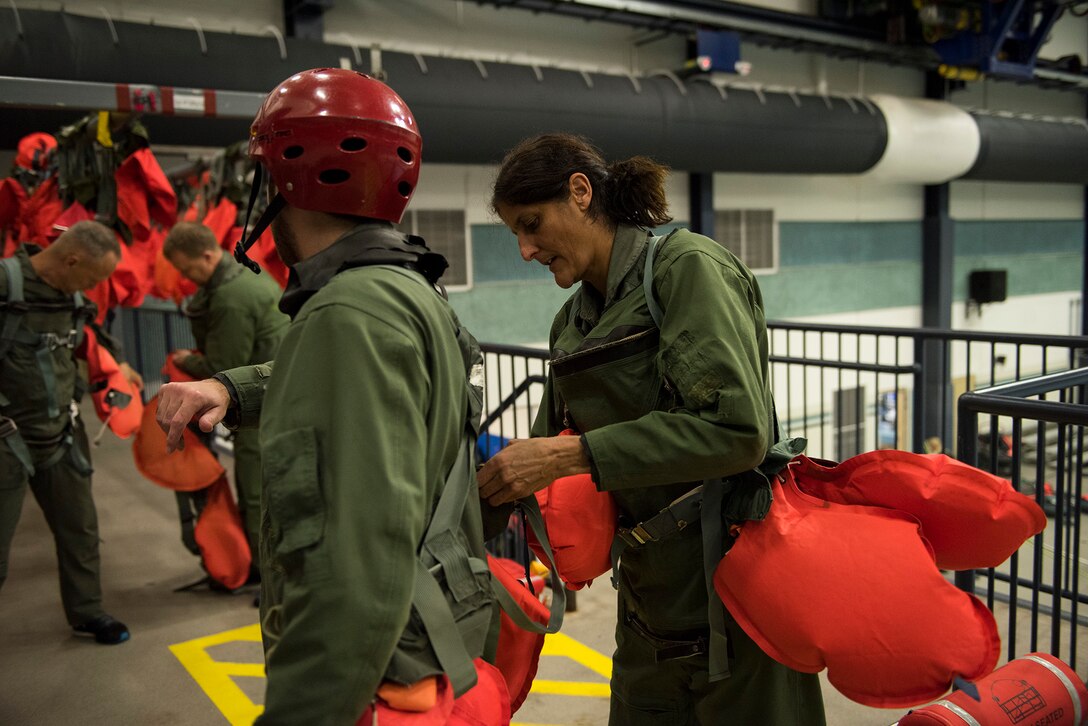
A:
(660, 411)
(54, 437)
(360, 423)
(235, 322)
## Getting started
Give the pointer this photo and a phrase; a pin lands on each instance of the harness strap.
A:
(9, 432)
(14, 275)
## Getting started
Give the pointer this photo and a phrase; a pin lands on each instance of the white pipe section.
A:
(929, 142)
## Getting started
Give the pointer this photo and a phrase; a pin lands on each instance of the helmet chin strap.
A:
(274, 207)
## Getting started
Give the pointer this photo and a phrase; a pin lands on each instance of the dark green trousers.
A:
(64, 494)
(678, 692)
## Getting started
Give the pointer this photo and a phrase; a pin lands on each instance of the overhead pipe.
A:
(471, 113)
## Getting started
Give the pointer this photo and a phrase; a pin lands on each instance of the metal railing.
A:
(1039, 589)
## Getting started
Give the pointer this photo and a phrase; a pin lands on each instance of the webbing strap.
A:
(45, 364)
(14, 275)
(713, 549)
(442, 632)
(17, 445)
(535, 520)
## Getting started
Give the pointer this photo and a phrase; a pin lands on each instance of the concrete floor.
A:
(195, 657)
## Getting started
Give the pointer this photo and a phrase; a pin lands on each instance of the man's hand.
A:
(180, 403)
(526, 466)
(180, 355)
(132, 376)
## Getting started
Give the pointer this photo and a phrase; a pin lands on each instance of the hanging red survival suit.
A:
(194, 470)
(1034, 689)
(117, 400)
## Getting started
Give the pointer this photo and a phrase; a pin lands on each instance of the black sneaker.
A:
(105, 630)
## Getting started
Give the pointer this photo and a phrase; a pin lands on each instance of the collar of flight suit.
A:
(627, 247)
(373, 242)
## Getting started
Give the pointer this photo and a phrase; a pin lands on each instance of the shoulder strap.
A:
(14, 274)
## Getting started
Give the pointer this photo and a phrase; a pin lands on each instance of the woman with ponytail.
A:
(662, 370)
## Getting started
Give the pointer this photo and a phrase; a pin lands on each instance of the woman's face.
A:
(556, 234)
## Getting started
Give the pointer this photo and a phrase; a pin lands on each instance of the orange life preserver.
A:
(116, 400)
(580, 522)
(789, 579)
(189, 470)
(518, 652)
(972, 518)
(221, 538)
(1034, 689)
(485, 704)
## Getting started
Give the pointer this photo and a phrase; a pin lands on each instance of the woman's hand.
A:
(526, 466)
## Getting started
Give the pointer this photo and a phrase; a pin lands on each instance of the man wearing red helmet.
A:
(361, 420)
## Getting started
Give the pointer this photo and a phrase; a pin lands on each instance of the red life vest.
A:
(485, 704)
(188, 470)
(117, 401)
(854, 589)
(220, 537)
(1034, 689)
(518, 652)
(973, 519)
(580, 522)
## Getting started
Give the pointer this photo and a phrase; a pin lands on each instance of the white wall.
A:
(847, 198)
(1009, 200)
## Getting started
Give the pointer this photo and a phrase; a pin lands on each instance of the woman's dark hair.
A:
(538, 169)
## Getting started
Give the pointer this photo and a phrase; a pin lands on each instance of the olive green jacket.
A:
(360, 423)
(24, 392)
(663, 409)
(234, 320)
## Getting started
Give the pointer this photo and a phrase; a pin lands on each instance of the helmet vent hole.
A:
(404, 154)
(405, 189)
(333, 176)
(353, 143)
(293, 152)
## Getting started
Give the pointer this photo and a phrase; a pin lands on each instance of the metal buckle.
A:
(8, 427)
(635, 536)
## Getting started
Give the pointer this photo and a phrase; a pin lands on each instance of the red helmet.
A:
(34, 149)
(338, 141)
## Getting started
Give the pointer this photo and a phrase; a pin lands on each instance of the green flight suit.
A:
(235, 322)
(661, 410)
(53, 434)
(360, 422)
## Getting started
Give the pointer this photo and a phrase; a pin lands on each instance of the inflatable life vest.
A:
(221, 539)
(518, 652)
(971, 518)
(431, 702)
(580, 522)
(1034, 689)
(117, 400)
(854, 589)
(191, 469)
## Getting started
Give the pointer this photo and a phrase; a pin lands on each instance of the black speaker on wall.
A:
(987, 286)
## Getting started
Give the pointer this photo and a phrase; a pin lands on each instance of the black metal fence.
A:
(1032, 432)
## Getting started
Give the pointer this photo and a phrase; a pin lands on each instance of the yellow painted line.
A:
(565, 646)
(571, 688)
(215, 677)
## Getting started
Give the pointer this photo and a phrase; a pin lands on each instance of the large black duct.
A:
(471, 112)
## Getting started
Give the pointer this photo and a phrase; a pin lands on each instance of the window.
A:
(445, 232)
(751, 235)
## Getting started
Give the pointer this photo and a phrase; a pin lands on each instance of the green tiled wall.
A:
(824, 268)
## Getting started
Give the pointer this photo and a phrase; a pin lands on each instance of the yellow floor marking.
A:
(215, 677)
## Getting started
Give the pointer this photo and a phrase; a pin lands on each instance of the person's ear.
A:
(581, 191)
